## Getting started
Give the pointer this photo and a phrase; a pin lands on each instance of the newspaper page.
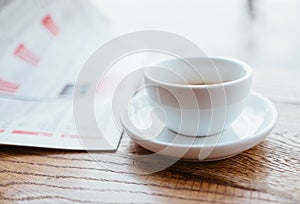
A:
(41, 53)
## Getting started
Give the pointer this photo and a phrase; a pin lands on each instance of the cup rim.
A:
(244, 65)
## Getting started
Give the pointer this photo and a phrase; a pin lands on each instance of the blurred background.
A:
(261, 32)
(264, 33)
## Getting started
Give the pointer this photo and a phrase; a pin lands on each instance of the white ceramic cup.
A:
(198, 96)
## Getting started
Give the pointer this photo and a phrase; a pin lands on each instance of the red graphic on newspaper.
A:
(8, 87)
(26, 132)
(50, 25)
(26, 54)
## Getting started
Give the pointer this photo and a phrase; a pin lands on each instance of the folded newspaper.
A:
(41, 54)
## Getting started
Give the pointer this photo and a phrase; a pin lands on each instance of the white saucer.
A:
(256, 121)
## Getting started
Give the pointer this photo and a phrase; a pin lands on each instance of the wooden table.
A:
(267, 173)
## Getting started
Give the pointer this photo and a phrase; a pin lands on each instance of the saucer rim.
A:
(262, 132)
